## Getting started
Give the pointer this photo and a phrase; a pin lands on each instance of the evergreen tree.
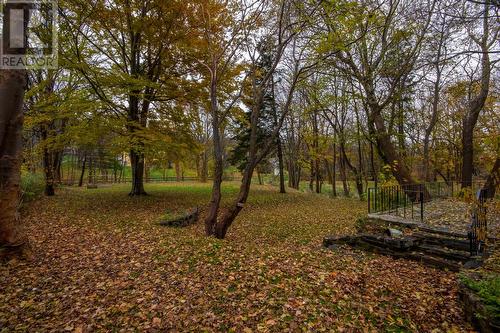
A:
(267, 114)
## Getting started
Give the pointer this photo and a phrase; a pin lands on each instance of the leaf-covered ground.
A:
(103, 264)
(455, 214)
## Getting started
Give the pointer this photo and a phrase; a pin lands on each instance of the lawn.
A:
(102, 263)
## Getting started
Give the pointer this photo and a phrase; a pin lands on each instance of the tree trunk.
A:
(12, 84)
(48, 164)
(136, 153)
(178, 174)
(360, 158)
(211, 219)
(401, 132)
(259, 177)
(204, 167)
(228, 217)
(334, 170)
(137, 166)
(57, 158)
(82, 174)
(467, 153)
(198, 166)
(72, 172)
(281, 166)
(122, 170)
(328, 171)
(13, 241)
(426, 156)
(318, 175)
(315, 163)
(91, 171)
(343, 174)
(493, 180)
(357, 175)
(446, 178)
(279, 149)
(372, 162)
(146, 171)
(294, 174)
(291, 173)
(311, 176)
(298, 176)
(389, 154)
(48, 167)
(434, 117)
(359, 171)
(476, 105)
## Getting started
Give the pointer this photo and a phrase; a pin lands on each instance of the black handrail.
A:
(392, 199)
(478, 230)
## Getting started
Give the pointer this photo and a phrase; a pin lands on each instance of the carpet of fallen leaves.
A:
(455, 215)
(103, 264)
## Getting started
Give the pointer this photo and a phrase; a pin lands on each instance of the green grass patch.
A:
(488, 289)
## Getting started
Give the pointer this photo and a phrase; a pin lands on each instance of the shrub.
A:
(32, 185)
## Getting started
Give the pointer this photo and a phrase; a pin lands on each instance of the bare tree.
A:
(441, 32)
(223, 32)
(284, 28)
(485, 41)
(379, 60)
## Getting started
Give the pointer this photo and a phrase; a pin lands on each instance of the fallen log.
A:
(182, 221)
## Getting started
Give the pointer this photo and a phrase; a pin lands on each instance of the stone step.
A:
(445, 253)
(402, 222)
(446, 242)
(407, 247)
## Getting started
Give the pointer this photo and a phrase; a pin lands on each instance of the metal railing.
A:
(478, 230)
(407, 200)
